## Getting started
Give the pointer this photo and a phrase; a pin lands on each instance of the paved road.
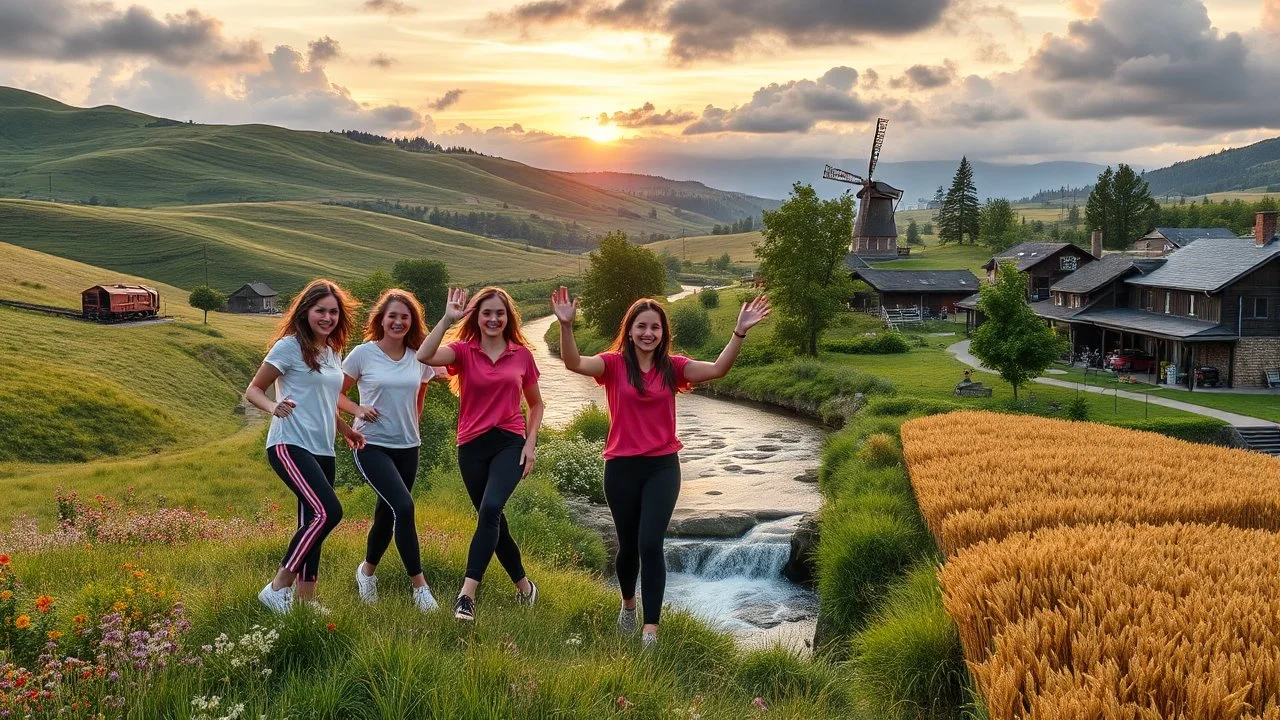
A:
(961, 351)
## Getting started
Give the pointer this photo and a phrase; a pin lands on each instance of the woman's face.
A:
(396, 321)
(323, 317)
(646, 331)
(492, 317)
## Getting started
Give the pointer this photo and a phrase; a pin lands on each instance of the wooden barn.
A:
(934, 291)
(254, 297)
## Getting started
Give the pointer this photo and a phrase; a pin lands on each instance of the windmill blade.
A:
(881, 125)
(834, 173)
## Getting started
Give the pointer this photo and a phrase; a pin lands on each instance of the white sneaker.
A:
(277, 601)
(648, 639)
(367, 585)
(424, 600)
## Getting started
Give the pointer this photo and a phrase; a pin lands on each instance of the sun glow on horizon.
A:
(603, 134)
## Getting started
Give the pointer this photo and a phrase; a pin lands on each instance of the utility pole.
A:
(205, 249)
(50, 186)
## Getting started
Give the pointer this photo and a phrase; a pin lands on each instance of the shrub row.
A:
(879, 344)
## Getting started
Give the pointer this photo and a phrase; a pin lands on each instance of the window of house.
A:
(1256, 308)
(1146, 300)
(1057, 298)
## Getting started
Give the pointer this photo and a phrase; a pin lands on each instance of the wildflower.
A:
(623, 703)
(5, 595)
(54, 634)
(120, 606)
(331, 627)
(139, 574)
(44, 603)
(759, 703)
(4, 559)
(79, 619)
(22, 623)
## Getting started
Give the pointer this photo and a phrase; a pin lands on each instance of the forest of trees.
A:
(533, 229)
(746, 224)
(716, 209)
(413, 144)
(1243, 168)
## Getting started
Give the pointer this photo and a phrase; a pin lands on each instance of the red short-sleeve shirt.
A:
(491, 391)
(641, 424)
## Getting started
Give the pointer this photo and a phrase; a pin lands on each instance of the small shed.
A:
(254, 297)
(935, 291)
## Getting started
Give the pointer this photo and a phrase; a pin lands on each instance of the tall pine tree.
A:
(959, 215)
(1121, 206)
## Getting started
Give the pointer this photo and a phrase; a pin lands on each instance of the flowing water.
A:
(739, 458)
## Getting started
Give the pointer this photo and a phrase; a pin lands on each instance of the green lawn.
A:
(943, 257)
(1265, 407)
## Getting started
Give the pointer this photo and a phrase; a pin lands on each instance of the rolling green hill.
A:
(699, 248)
(53, 151)
(282, 244)
(1244, 168)
(688, 195)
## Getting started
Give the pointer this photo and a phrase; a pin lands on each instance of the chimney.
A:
(1264, 227)
(1095, 243)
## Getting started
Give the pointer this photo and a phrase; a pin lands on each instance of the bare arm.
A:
(697, 371)
(430, 352)
(566, 311)
(348, 406)
(532, 397)
(256, 393)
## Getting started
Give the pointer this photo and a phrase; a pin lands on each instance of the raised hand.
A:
(564, 309)
(752, 313)
(456, 305)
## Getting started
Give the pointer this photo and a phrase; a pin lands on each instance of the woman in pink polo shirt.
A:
(491, 369)
(642, 465)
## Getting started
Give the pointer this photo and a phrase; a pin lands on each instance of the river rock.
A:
(714, 492)
(711, 523)
(801, 563)
(808, 476)
(596, 518)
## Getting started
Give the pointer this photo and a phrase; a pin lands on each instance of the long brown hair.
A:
(295, 320)
(417, 325)
(470, 328)
(623, 345)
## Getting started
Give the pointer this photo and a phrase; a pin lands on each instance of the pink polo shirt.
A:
(641, 424)
(491, 391)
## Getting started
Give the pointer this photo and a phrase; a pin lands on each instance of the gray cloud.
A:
(76, 30)
(447, 100)
(383, 61)
(793, 107)
(718, 28)
(320, 52)
(646, 116)
(389, 7)
(1156, 59)
(926, 77)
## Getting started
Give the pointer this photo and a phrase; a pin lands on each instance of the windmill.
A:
(875, 234)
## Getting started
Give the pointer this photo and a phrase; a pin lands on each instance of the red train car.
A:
(110, 303)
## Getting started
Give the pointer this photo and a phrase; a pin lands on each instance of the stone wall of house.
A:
(1215, 354)
(1255, 355)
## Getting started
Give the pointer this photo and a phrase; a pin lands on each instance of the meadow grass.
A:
(698, 248)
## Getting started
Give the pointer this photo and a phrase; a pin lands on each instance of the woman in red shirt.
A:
(642, 465)
(491, 370)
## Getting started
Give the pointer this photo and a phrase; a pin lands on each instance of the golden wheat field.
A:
(1016, 473)
(1121, 622)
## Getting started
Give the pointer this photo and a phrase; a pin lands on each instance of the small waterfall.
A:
(716, 560)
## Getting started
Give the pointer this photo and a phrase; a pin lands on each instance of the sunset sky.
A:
(587, 84)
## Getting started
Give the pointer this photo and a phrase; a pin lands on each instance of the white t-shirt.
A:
(390, 387)
(312, 425)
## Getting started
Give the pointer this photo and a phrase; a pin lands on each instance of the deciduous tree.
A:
(1013, 341)
(206, 298)
(620, 273)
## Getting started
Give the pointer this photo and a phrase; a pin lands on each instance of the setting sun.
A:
(603, 133)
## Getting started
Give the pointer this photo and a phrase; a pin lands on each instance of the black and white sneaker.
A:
(464, 608)
(627, 620)
(527, 598)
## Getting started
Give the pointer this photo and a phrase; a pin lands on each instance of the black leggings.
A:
(310, 477)
(641, 492)
(391, 472)
(491, 469)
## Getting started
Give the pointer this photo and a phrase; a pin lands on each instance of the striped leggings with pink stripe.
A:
(310, 477)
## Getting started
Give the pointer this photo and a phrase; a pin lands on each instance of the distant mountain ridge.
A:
(689, 195)
(1243, 168)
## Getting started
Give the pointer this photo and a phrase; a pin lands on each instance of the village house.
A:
(1212, 302)
(936, 292)
(1162, 241)
(1044, 263)
(254, 297)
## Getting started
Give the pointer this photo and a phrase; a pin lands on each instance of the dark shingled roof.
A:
(1157, 324)
(257, 288)
(1046, 309)
(1209, 266)
(1182, 237)
(1096, 274)
(969, 303)
(920, 281)
(854, 262)
(1027, 254)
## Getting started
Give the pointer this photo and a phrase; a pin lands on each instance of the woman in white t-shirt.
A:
(393, 384)
(305, 366)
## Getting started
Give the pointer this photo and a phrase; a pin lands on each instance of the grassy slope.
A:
(701, 247)
(108, 152)
(943, 257)
(284, 244)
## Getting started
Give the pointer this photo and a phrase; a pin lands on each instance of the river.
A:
(738, 458)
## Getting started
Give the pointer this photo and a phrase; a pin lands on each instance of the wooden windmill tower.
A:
(875, 234)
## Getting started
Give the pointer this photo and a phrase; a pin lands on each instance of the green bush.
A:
(710, 298)
(777, 674)
(538, 517)
(907, 405)
(761, 353)
(880, 344)
(1192, 429)
(1078, 408)
(881, 450)
(575, 466)
(909, 658)
(590, 423)
(690, 326)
